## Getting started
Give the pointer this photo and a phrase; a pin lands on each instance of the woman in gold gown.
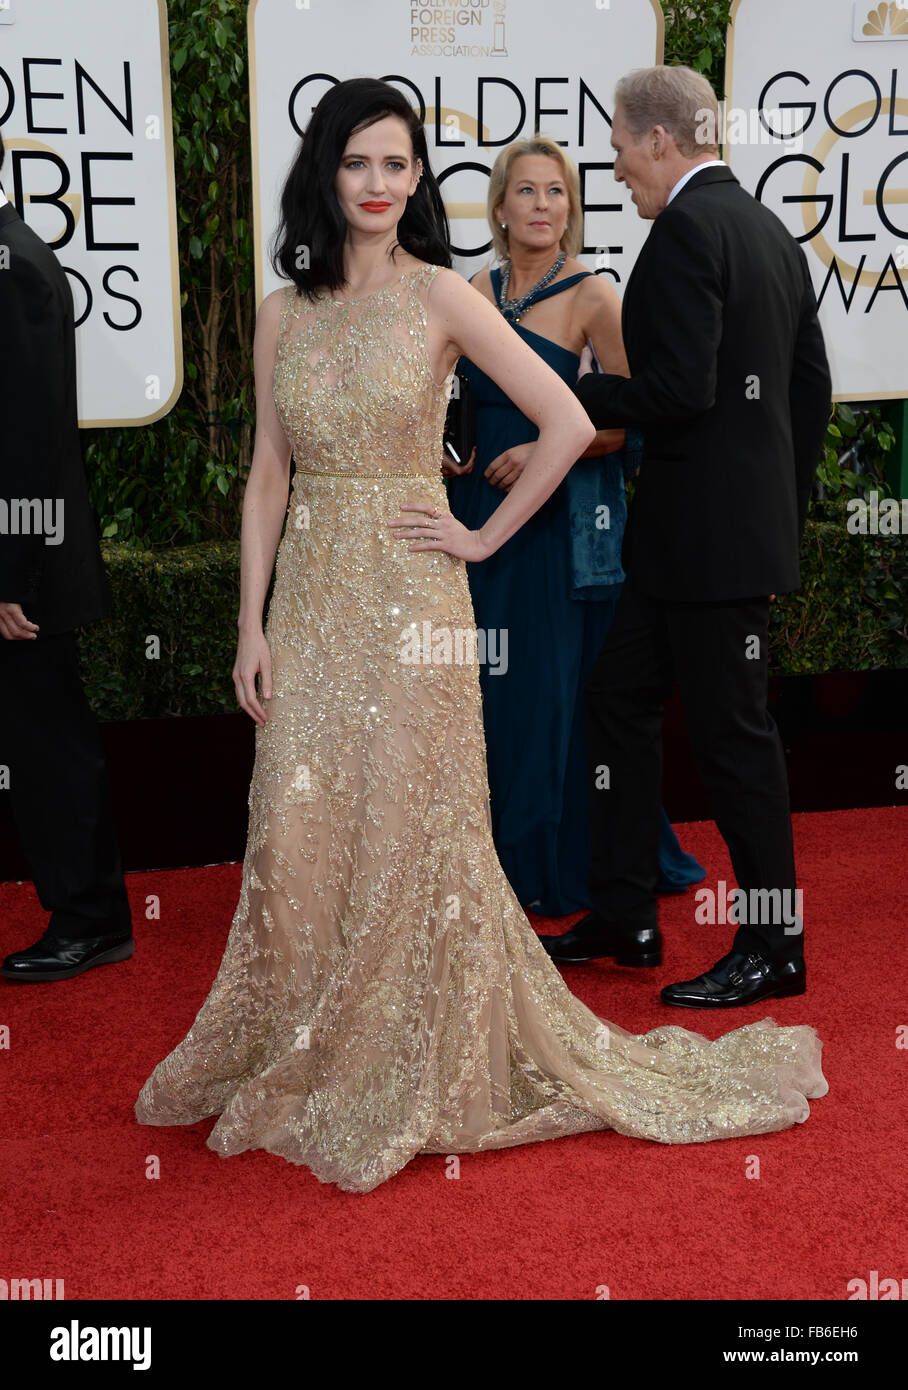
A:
(381, 993)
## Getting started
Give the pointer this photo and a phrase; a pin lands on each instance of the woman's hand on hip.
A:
(429, 527)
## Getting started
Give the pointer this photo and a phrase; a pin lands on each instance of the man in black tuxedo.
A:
(51, 582)
(730, 385)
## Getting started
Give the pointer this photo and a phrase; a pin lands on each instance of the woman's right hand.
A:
(253, 657)
(450, 469)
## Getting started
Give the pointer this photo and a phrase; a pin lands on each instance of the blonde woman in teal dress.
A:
(382, 994)
(553, 586)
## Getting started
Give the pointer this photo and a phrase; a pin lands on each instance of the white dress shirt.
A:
(707, 164)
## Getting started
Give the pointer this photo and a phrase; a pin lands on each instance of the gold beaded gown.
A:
(382, 993)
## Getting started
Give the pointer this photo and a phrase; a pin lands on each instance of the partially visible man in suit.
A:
(730, 385)
(51, 582)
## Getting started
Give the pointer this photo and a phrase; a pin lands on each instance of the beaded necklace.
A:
(514, 308)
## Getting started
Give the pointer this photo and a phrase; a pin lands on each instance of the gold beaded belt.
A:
(400, 477)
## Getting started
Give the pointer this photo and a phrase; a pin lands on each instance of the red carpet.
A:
(547, 1221)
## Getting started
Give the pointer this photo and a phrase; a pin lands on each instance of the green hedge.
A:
(851, 612)
(187, 598)
(842, 618)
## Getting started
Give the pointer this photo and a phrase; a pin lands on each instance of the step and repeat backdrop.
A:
(480, 73)
(86, 120)
(815, 124)
(829, 79)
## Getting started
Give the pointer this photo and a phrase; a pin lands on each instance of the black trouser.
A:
(717, 653)
(59, 790)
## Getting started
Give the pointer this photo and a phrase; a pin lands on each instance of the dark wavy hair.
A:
(311, 216)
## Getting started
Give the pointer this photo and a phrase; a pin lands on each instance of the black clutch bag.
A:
(460, 422)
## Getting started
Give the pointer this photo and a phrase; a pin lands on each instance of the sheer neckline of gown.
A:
(329, 298)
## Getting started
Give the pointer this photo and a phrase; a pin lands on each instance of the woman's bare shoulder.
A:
(456, 288)
(268, 317)
(273, 302)
(596, 290)
(480, 280)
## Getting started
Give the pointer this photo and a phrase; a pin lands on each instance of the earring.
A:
(503, 225)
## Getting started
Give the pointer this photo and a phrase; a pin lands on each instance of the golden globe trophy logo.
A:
(86, 119)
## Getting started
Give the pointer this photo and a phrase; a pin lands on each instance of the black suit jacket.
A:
(731, 387)
(60, 587)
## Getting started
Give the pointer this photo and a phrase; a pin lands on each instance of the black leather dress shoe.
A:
(61, 957)
(735, 980)
(592, 938)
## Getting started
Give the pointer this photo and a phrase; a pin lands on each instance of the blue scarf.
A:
(597, 509)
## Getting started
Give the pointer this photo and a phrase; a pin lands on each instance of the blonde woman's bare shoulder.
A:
(596, 290)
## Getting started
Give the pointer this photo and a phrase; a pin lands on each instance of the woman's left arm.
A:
(600, 320)
(599, 313)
